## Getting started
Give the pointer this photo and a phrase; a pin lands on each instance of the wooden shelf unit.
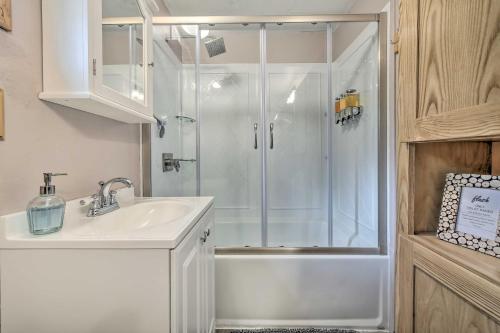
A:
(432, 161)
(448, 121)
(486, 267)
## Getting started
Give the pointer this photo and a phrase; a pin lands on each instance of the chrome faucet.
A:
(105, 200)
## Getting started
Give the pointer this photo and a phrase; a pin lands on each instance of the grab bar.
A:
(255, 125)
(271, 131)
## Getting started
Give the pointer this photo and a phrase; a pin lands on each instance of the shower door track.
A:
(381, 19)
(175, 20)
(298, 250)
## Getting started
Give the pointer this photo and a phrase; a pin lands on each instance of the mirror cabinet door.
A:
(123, 48)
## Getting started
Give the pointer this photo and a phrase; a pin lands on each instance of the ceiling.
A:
(257, 7)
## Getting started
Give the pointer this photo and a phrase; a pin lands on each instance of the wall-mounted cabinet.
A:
(97, 57)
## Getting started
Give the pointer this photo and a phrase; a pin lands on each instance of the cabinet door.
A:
(186, 284)
(209, 274)
(439, 310)
(121, 65)
(448, 70)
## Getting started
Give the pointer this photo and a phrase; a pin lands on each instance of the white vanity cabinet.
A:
(93, 277)
(193, 281)
(98, 57)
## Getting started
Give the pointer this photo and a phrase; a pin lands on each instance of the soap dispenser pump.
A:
(46, 211)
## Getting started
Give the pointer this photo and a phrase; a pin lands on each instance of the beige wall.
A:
(284, 47)
(346, 33)
(46, 137)
(244, 47)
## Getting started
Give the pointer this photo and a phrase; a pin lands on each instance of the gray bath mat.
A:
(294, 330)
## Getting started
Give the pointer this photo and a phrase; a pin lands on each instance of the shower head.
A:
(215, 46)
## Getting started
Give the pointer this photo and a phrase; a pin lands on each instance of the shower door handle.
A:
(255, 125)
(271, 133)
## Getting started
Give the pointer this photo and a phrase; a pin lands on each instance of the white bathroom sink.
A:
(139, 223)
(136, 218)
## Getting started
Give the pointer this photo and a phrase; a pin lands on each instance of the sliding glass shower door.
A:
(230, 131)
(297, 123)
(263, 133)
(283, 171)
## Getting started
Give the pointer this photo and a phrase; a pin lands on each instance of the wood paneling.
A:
(448, 91)
(495, 158)
(475, 122)
(482, 293)
(439, 310)
(408, 68)
(459, 52)
(432, 162)
(404, 286)
(485, 267)
(404, 183)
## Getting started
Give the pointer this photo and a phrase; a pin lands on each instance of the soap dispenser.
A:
(46, 212)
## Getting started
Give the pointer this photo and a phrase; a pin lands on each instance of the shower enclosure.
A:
(300, 201)
(255, 127)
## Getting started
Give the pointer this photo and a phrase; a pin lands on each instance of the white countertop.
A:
(139, 223)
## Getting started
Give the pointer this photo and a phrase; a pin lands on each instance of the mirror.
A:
(122, 48)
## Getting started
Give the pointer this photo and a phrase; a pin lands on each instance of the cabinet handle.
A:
(151, 64)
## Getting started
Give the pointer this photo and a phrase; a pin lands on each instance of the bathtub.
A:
(302, 290)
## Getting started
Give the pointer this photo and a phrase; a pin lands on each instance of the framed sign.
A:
(470, 212)
(5, 15)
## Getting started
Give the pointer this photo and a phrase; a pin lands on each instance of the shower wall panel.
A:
(167, 104)
(355, 146)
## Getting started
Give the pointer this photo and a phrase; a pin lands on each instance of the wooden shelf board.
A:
(478, 122)
(483, 265)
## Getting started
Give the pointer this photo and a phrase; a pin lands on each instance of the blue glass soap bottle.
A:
(46, 212)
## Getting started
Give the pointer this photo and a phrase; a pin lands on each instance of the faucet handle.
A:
(177, 164)
(112, 197)
(95, 200)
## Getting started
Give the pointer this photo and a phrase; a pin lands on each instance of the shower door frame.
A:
(381, 19)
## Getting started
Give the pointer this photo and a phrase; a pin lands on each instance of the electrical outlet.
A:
(2, 119)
